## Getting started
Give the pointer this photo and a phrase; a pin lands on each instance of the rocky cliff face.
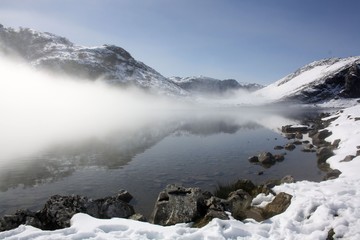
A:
(108, 62)
(318, 82)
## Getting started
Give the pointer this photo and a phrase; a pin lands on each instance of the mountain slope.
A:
(207, 85)
(108, 62)
(318, 82)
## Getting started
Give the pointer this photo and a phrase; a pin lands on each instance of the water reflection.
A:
(191, 148)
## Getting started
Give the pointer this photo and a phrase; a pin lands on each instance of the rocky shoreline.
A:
(178, 204)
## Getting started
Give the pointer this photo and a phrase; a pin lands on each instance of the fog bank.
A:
(38, 109)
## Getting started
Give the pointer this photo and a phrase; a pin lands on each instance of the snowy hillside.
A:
(318, 82)
(108, 62)
(207, 85)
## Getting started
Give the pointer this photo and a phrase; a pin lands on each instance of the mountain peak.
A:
(109, 63)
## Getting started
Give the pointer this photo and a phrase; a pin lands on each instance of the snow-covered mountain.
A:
(318, 82)
(207, 85)
(108, 62)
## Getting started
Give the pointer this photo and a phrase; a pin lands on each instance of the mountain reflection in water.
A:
(192, 148)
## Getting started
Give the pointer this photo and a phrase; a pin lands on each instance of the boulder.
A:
(287, 179)
(278, 147)
(332, 174)
(58, 211)
(323, 154)
(290, 146)
(266, 158)
(253, 159)
(318, 138)
(177, 204)
(308, 148)
(280, 203)
(294, 129)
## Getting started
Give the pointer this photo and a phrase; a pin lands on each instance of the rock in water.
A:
(177, 204)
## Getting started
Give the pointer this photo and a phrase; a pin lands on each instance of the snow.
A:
(316, 208)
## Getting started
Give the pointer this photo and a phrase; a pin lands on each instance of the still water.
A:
(201, 149)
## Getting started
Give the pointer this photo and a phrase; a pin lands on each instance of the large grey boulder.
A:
(177, 204)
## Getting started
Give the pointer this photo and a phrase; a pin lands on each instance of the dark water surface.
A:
(201, 149)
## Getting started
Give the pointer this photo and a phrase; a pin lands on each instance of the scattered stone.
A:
(357, 119)
(280, 203)
(319, 138)
(260, 173)
(253, 159)
(287, 179)
(358, 153)
(336, 143)
(290, 135)
(306, 141)
(308, 148)
(348, 158)
(299, 135)
(279, 157)
(294, 129)
(278, 147)
(266, 158)
(323, 154)
(333, 174)
(297, 142)
(330, 235)
(289, 146)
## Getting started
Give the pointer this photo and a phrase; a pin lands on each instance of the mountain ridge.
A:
(317, 82)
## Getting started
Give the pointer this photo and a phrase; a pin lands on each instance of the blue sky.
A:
(248, 40)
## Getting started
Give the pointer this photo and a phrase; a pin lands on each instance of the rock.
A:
(308, 148)
(22, 216)
(323, 154)
(237, 203)
(319, 138)
(290, 135)
(294, 129)
(333, 174)
(280, 203)
(299, 135)
(336, 143)
(110, 207)
(177, 204)
(138, 217)
(58, 210)
(266, 158)
(211, 214)
(348, 158)
(287, 179)
(297, 142)
(253, 159)
(124, 196)
(289, 146)
(278, 147)
(279, 157)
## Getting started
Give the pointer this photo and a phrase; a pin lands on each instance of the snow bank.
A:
(316, 208)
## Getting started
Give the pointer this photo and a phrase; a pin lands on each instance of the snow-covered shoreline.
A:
(316, 208)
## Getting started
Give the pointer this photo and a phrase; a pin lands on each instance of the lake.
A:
(195, 149)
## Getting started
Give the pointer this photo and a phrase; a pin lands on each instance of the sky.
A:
(257, 41)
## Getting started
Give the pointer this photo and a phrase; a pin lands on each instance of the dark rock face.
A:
(58, 211)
